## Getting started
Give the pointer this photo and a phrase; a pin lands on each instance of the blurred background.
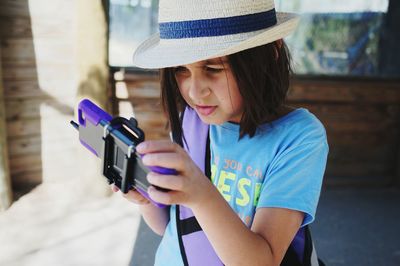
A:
(56, 207)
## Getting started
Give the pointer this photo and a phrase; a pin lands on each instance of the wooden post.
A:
(93, 74)
(5, 183)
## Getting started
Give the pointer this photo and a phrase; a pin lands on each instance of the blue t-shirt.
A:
(281, 166)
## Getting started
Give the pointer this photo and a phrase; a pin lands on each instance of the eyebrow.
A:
(215, 62)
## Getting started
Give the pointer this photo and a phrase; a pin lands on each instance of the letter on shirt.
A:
(223, 188)
(257, 194)
(245, 195)
(213, 172)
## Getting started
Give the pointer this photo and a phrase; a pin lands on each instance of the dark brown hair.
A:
(262, 75)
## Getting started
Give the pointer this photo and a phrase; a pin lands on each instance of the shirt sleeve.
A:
(294, 179)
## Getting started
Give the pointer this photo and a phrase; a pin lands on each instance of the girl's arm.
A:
(155, 217)
(264, 244)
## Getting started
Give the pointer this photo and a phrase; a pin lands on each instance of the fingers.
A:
(171, 182)
(167, 198)
(176, 186)
(114, 188)
(158, 146)
(132, 195)
(168, 160)
(135, 197)
(164, 153)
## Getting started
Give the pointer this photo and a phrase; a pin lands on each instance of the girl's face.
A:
(210, 88)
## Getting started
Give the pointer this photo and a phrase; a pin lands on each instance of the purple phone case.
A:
(87, 110)
(91, 112)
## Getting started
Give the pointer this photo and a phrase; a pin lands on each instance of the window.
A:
(333, 38)
(131, 21)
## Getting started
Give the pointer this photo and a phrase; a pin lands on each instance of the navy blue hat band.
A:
(217, 26)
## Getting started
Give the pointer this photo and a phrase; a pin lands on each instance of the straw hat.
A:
(195, 30)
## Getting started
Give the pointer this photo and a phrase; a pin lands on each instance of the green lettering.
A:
(257, 193)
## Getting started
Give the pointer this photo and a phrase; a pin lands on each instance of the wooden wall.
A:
(139, 95)
(362, 119)
(53, 54)
(5, 182)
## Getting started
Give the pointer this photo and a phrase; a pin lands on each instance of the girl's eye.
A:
(213, 69)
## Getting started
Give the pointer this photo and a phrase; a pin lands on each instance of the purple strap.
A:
(197, 247)
(195, 132)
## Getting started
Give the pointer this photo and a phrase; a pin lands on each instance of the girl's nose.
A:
(198, 89)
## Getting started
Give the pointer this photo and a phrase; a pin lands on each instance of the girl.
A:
(225, 71)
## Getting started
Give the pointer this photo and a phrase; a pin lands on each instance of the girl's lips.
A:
(205, 110)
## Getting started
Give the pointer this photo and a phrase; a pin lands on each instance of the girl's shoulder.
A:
(300, 116)
(299, 125)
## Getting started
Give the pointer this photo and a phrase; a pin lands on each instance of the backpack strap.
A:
(310, 254)
(294, 256)
(301, 251)
(194, 245)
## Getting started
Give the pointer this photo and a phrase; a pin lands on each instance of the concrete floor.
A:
(354, 226)
(359, 226)
(52, 226)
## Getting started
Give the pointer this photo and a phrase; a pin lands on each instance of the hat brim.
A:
(153, 53)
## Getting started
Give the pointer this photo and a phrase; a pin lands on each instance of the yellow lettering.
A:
(223, 188)
(245, 195)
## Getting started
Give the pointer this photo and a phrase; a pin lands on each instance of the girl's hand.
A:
(188, 187)
(132, 196)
